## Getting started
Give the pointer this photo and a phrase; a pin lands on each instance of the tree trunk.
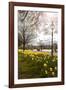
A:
(23, 46)
(23, 40)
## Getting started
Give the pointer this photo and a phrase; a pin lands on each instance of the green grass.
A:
(37, 67)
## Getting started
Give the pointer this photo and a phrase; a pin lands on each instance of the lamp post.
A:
(52, 28)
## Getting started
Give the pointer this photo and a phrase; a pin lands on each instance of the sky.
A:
(45, 32)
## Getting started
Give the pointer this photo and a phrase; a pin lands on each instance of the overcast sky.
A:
(44, 32)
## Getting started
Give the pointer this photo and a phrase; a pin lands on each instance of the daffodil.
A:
(51, 69)
(53, 73)
(32, 58)
(55, 68)
(45, 65)
(46, 72)
(53, 60)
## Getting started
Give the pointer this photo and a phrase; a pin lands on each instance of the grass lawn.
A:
(36, 65)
